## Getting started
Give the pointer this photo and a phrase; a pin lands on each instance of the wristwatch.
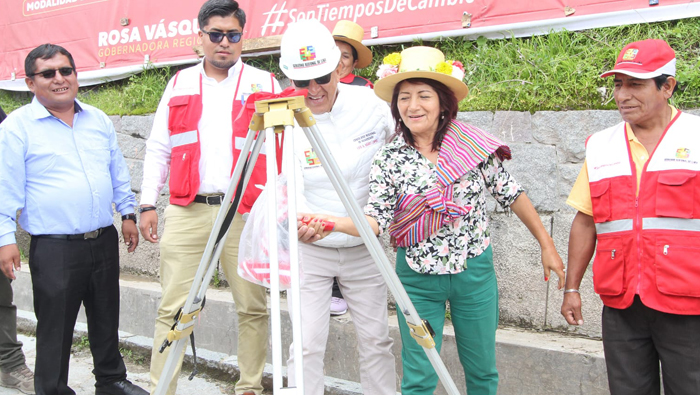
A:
(129, 216)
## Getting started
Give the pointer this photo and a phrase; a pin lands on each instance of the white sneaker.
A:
(338, 306)
(21, 378)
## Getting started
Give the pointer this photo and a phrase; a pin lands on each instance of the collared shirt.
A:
(215, 132)
(63, 179)
(400, 169)
(580, 195)
(354, 130)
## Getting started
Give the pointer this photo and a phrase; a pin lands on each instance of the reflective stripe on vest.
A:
(177, 140)
(684, 224)
(620, 225)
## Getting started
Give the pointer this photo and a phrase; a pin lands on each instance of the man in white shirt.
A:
(196, 138)
(354, 123)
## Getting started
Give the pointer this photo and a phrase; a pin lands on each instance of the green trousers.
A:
(473, 297)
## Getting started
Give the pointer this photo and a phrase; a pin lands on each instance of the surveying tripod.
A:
(277, 116)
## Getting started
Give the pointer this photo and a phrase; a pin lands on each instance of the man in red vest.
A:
(638, 202)
(197, 137)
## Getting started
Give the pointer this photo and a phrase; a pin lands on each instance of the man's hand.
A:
(582, 241)
(9, 260)
(571, 308)
(131, 235)
(311, 228)
(149, 225)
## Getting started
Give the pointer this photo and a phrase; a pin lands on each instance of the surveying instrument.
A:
(275, 117)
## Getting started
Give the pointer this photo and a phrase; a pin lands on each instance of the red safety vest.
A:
(647, 244)
(185, 111)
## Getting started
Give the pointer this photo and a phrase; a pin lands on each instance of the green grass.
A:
(558, 71)
(82, 344)
(133, 357)
(140, 94)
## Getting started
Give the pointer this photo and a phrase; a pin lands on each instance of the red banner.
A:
(111, 39)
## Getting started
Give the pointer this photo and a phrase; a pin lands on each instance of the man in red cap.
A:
(638, 202)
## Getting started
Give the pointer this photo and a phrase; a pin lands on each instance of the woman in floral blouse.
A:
(428, 190)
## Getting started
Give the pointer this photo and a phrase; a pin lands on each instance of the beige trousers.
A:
(364, 290)
(182, 243)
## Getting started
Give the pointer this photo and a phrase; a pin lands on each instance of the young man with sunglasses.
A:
(60, 164)
(197, 135)
(355, 123)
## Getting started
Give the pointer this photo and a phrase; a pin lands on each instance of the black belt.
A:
(215, 200)
(80, 236)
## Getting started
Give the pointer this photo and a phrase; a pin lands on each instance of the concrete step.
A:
(529, 362)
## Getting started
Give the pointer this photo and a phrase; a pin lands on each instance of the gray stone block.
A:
(481, 119)
(137, 125)
(568, 130)
(132, 147)
(534, 166)
(117, 121)
(695, 111)
(567, 177)
(136, 171)
(517, 260)
(512, 126)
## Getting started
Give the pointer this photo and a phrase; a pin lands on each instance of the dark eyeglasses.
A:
(65, 71)
(320, 80)
(217, 37)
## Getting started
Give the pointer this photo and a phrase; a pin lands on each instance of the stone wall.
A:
(548, 151)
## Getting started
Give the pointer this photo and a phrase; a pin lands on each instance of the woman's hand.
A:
(551, 261)
(313, 227)
(523, 208)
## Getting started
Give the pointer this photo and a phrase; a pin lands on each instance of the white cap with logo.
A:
(308, 50)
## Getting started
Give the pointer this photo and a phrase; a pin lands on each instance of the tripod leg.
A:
(295, 273)
(276, 322)
(185, 325)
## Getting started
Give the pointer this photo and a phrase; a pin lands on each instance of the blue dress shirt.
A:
(63, 179)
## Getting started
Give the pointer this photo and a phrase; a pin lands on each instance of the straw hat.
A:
(352, 33)
(419, 62)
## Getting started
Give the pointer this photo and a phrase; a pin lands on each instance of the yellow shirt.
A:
(580, 195)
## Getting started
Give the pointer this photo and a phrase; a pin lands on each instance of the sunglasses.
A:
(217, 37)
(65, 71)
(320, 80)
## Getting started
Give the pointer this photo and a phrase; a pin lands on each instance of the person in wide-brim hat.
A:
(355, 55)
(427, 189)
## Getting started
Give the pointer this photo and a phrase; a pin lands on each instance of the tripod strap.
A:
(194, 358)
(234, 205)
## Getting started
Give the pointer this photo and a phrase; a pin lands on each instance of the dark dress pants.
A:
(637, 339)
(66, 273)
(11, 355)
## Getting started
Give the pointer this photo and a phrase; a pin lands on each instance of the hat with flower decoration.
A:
(419, 62)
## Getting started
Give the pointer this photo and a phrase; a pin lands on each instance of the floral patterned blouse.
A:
(399, 168)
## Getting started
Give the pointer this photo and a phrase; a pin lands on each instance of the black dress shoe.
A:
(124, 387)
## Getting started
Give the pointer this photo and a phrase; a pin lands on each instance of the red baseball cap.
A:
(645, 59)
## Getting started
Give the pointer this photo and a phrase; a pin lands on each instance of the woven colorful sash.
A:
(416, 217)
